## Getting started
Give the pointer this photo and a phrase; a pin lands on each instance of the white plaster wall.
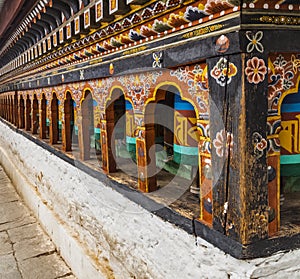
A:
(102, 234)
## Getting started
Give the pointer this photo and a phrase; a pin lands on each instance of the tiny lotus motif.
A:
(256, 70)
(223, 143)
(255, 43)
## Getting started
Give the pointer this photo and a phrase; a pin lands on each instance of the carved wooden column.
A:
(238, 133)
(53, 129)
(28, 114)
(67, 124)
(21, 111)
(107, 141)
(146, 167)
(43, 117)
(15, 109)
(35, 116)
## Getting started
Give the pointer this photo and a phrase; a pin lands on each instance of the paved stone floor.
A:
(26, 252)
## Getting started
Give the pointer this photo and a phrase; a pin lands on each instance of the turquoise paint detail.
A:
(187, 150)
(97, 130)
(130, 140)
(289, 159)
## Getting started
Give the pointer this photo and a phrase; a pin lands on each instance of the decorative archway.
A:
(113, 112)
(284, 79)
(87, 125)
(170, 122)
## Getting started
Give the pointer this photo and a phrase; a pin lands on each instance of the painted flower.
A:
(280, 61)
(231, 71)
(255, 41)
(223, 143)
(157, 57)
(296, 63)
(255, 70)
(260, 144)
(223, 72)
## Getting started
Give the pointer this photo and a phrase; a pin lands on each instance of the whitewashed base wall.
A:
(102, 234)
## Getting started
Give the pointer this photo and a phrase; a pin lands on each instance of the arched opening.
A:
(28, 114)
(35, 115)
(115, 111)
(21, 113)
(43, 120)
(88, 130)
(119, 149)
(172, 151)
(69, 123)
(290, 160)
(54, 121)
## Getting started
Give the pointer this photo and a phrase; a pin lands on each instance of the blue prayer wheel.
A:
(185, 133)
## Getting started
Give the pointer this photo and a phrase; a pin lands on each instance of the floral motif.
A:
(138, 87)
(255, 41)
(223, 71)
(223, 143)
(295, 63)
(157, 57)
(260, 144)
(197, 81)
(256, 70)
(282, 77)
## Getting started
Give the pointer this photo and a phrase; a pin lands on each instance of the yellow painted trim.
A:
(274, 136)
(110, 94)
(171, 83)
(276, 117)
(84, 91)
(273, 154)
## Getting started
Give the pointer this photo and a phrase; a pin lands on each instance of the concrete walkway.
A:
(26, 252)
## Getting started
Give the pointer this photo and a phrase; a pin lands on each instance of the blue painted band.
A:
(290, 107)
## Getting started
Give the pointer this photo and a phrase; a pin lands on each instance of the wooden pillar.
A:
(21, 111)
(43, 117)
(16, 110)
(84, 124)
(35, 116)
(146, 167)
(53, 131)
(9, 118)
(238, 132)
(28, 114)
(67, 127)
(107, 141)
